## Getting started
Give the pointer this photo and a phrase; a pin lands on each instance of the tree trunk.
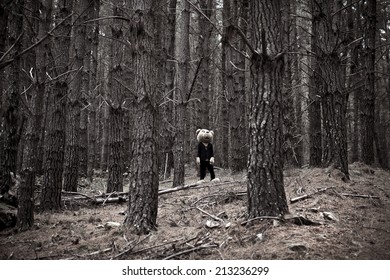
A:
(166, 109)
(143, 189)
(55, 138)
(115, 98)
(182, 57)
(25, 215)
(3, 37)
(115, 159)
(77, 52)
(266, 195)
(10, 116)
(332, 86)
(315, 134)
(368, 98)
(93, 32)
(234, 78)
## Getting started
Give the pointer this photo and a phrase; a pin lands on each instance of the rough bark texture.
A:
(93, 36)
(315, 134)
(3, 37)
(368, 98)
(10, 117)
(115, 159)
(77, 53)
(143, 189)
(332, 86)
(235, 16)
(182, 57)
(115, 98)
(266, 195)
(55, 137)
(25, 214)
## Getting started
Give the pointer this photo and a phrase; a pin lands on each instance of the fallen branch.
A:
(77, 193)
(179, 188)
(361, 195)
(131, 248)
(206, 246)
(118, 199)
(104, 195)
(210, 215)
(302, 197)
(108, 197)
(122, 196)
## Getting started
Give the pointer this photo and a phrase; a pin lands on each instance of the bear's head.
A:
(204, 135)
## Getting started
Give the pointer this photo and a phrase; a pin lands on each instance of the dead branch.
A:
(360, 195)
(95, 253)
(210, 215)
(77, 193)
(5, 63)
(104, 202)
(131, 248)
(298, 198)
(179, 188)
(206, 246)
(104, 195)
(118, 199)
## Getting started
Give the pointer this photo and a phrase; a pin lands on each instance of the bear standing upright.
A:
(205, 155)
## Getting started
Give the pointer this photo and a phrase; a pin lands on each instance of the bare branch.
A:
(8, 62)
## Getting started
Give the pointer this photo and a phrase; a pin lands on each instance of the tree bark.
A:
(115, 98)
(266, 195)
(143, 189)
(93, 32)
(25, 214)
(55, 138)
(332, 86)
(10, 117)
(3, 37)
(315, 133)
(182, 57)
(77, 52)
(368, 98)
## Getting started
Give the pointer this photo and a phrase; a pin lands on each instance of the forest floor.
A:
(344, 220)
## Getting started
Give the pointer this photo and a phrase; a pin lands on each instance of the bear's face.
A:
(204, 135)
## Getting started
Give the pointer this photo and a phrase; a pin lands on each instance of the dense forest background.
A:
(106, 88)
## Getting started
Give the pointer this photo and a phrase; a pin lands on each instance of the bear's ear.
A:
(212, 132)
(197, 131)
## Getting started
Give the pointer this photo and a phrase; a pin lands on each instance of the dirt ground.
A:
(344, 220)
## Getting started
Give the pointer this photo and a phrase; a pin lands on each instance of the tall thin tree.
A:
(55, 135)
(181, 91)
(25, 215)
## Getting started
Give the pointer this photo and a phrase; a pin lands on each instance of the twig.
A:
(179, 188)
(210, 215)
(104, 202)
(361, 195)
(95, 253)
(298, 198)
(261, 218)
(206, 246)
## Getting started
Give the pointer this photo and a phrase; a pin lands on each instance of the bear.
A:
(205, 154)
